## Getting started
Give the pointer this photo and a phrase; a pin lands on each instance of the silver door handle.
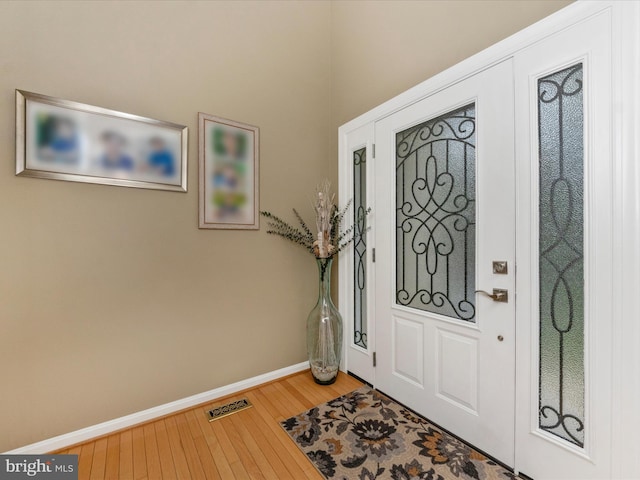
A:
(499, 295)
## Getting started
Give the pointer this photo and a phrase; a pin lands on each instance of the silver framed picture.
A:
(65, 140)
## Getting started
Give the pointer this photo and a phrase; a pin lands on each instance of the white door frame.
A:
(625, 236)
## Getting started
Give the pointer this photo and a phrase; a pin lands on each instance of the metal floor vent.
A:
(228, 409)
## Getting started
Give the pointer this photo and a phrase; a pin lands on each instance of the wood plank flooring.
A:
(249, 444)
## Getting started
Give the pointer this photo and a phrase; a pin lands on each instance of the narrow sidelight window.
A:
(561, 243)
(360, 248)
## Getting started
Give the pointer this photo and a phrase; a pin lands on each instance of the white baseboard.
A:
(84, 434)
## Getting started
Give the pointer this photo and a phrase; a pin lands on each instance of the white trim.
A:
(101, 429)
(626, 254)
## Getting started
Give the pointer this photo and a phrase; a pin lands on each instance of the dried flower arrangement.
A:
(329, 240)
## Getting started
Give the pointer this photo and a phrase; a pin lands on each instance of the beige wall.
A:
(111, 299)
(382, 48)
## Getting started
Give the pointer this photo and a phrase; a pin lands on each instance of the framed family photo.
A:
(228, 173)
(64, 140)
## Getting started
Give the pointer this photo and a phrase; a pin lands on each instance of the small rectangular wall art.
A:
(228, 173)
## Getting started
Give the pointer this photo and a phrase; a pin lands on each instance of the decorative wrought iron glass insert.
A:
(360, 248)
(436, 215)
(560, 131)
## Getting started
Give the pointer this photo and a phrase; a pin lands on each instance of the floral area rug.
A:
(364, 435)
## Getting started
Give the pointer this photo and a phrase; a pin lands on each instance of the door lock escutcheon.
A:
(499, 295)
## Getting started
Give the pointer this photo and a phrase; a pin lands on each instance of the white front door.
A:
(445, 211)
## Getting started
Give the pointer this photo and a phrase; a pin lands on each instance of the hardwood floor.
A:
(249, 444)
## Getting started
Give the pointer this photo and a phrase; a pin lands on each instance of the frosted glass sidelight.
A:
(360, 248)
(560, 121)
(435, 215)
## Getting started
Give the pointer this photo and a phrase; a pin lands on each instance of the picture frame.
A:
(66, 140)
(228, 160)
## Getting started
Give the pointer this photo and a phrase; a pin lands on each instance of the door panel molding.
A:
(452, 386)
(408, 350)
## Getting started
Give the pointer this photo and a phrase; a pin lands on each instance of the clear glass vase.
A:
(324, 330)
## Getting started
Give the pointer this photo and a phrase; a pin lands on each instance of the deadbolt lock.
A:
(500, 267)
